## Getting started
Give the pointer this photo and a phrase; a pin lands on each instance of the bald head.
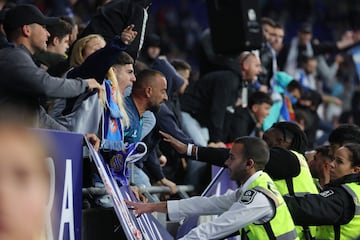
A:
(250, 66)
(146, 78)
(150, 87)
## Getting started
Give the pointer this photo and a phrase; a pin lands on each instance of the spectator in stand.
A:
(54, 59)
(310, 102)
(247, 121)
(286, 93)
(22, 82)
(184, 69)
(112, 17)
(75, 29)
(175, 169)
(166, 117)
(267, 53)
(306, 73)
(277, 38)
(148, 93)
(204, 103)
(151, 50)
(304, 45)
(267, 25)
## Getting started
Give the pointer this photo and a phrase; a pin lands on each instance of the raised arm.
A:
(98, 64)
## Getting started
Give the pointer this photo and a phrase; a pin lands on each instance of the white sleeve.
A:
(259, 210)
(180, 209)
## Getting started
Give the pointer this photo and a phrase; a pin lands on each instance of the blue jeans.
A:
(138, 176)
(199, 134)
(196, 171)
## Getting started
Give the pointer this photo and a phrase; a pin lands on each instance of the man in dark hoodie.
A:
(204, 103)
(114, 16)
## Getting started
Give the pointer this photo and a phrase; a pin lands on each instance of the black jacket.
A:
(113, 17)
(206, 100)
(166, 122)
(238, 124)
(282, 164)
(266, 58)
(333, 206)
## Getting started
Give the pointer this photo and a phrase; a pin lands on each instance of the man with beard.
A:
(148, 92)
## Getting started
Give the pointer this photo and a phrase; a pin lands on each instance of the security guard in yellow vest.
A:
(256, 208)
(337, 206)
(289, 136)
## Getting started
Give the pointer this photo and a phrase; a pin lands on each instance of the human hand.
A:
(162, 160)
(128, 34)
(167, 183)
(217, 145)
(344, 43)
(93, 84)
(94, 140)
(138, 195)
(339, 59)
(264, 88)
(337, 101)
(180, 147)
(139, 208)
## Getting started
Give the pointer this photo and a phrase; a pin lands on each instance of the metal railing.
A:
(148, 192)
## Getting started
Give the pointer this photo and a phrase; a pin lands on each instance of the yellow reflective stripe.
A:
(355, 198)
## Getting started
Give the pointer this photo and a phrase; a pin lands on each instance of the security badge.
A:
(117, 162)
(248, 196)
(326, 193)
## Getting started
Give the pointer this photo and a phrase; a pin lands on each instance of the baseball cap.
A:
(23, 15)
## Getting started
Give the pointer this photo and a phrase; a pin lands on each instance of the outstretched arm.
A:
(140, 208)
(215, 156)
(98, 64)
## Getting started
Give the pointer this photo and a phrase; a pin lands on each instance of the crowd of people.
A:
(282, 118)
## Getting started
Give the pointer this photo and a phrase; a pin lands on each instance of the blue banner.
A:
(143, 227)
(65, 163)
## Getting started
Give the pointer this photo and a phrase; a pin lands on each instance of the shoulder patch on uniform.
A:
(326, 193)
(248, 196)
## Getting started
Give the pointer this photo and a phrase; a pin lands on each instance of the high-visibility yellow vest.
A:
(302, 184)
(281, 226)
(347, 231)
